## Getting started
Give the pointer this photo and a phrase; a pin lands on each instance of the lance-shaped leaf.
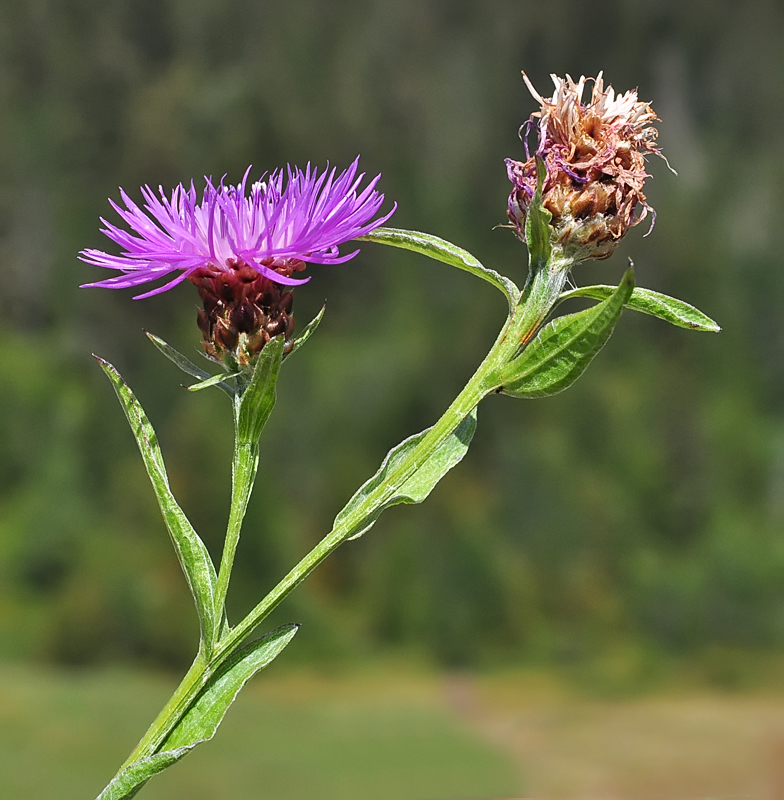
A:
(205, 715)
(258, 399)
(537, 224)
(307, 332)
(191, 552)
(448, 253)
(187, 366)
(133, 777)
(562, 350)
(207, 712)
(677, 312)
(415, 487)
(213, 380)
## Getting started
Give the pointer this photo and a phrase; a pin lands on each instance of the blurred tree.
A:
(645, 505)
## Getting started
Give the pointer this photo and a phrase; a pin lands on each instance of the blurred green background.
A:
(630, 528)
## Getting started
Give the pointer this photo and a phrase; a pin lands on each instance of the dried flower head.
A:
(240, 249)
(594, 155)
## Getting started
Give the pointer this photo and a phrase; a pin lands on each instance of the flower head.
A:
(240, 248)
(594, 154)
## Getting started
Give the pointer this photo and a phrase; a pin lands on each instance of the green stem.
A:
(243, 473)
(537, 300)
(172, 712)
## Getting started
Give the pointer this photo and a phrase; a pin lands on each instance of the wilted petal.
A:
(594, 154)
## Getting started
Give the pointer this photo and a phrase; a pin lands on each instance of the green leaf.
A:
(205, 715)
(537, 224)
(562, 350)
(191, 552)
(417, 486)
(214, 380)
(448, 253)
(307, 332)
(185, 364)
(676, 312)
(133, 777)
(258, 399)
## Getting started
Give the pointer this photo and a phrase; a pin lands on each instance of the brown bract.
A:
(594, 153)
(243, 309)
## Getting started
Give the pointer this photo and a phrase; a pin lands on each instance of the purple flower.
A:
(273, 230)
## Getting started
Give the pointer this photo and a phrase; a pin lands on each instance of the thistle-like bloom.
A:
(238, 248)
(594, 155)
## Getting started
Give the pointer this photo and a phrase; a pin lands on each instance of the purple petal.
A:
(294, 214)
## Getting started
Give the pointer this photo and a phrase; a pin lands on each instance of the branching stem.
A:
(538, 298)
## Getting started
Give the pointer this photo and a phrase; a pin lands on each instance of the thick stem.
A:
(172, 712)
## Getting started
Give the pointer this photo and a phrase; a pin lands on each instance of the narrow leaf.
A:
(677, 312)
(537, 224)
(132, 778)
(205, 715)
(211, 381)
(307, 332)
(417, 486)
(191, 552)
(203, 718)
(563, 349)
(258, 399)
(176, 357)
(448, 253)
(185, 364)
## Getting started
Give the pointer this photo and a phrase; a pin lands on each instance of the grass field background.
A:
(62, 735)
(386, 733)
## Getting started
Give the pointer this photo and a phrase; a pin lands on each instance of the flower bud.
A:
(595, 167)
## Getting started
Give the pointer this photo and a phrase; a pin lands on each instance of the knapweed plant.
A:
(572, 200)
